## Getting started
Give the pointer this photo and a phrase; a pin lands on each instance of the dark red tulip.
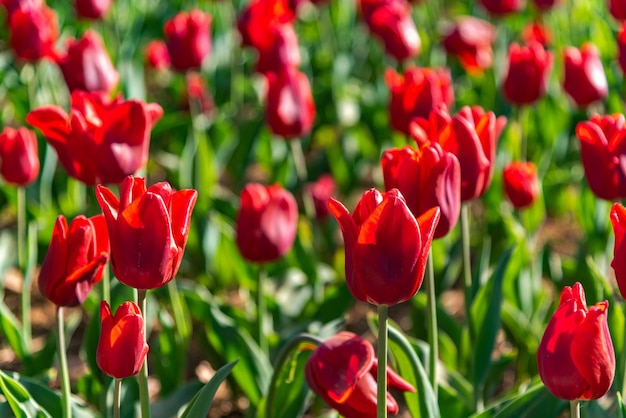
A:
(320, 192)
(87, 66)
(386, 247)
(527, 77)
(157, 56)
(618, 220)
(19, 156)
(470, 39)
(415, 93)
(575, 357)
(603, 153)
(585, 81)
(148, 230)
(502, 7)
(122, 346)
(92, 9)
(257, 19)
(621, 47)
(33, 31)
(75, 260)
(12, 5)
(545, 5)
(343, 372)
(521, 184)
(617, 8)
(188, 39)
(100, 141)
(282, 52)
(266, 223)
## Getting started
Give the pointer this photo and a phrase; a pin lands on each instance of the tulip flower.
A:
(521, 184)
(259, 17)
(617, 8)
(100, 140)
(87, 66)
(527, 75)
(575, 357)
(282, 51)
(122, 346)
(618, 220)
(585, 81)
(386, 247)
(75, 260)
(545, 5)
(502, 7)
(427, 177)
(536, 32)
(148, 229)
(621, 47)
(342, 371)
(157, 56)
(92, 9)
(188, 39)
(602, 151)
(415, 93)
(19, 156)
(33, 31)
(12, 5)
(470, 40)
(320, 191)
(266, 223)
(290, 110)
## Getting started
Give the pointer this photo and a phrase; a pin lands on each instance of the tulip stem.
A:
(142, 377)
(381, 406)
(63, 369)
(117, 391)
(433, 334)
(467, 267)
(21, 227)
(106, 284)
(300, 163)
(261, 309)
(574, 407)
(25, 262)
(623, 360)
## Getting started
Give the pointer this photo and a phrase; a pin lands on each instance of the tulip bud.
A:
(617, 8)
(527, 76)
(536, 32)
(259, 17)
(148, 230)
(122, 346)
(585, 81)
(157, 56)
(75, 260)
(470, 40)
(502, 7)
(19, 155)
(521, 184)
(266, 223)
(343, 372)
(282, 52)
(92, 9)
(33, 31)
(188, 39)
(575, 357)
(320, 191)
(618, 220)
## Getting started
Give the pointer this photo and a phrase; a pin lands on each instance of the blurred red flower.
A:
(33, 31)
(502, 7)
(536, 32)
(618, 221)
(321, 191)
(621, 47)
(470, 39)
(521, 184)
(92, 9)
(19, 156)
(258, 17)
(282, 52)
(188, 39)
(157, 56)
(617, 8)
(585, 81)
(527, 75)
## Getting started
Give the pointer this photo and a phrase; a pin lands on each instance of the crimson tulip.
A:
(19, 155)
(415, 93)
(12, 5)
(536, 32)
(527, 75)
(427, 177)
(545, 5)
(603, 152)
(621, 47)
(75, 260)
(259, 17)
(92, 9)
(122, 346)
(575, 357)
(157, 56)
(282, 52)
(101, 140)
(618, 220)
(521, 184)
(148, 229)
(320, 191)
(33, 31)
(86, 64)
(188, 39)
(470, 40)
(266, 223)
(386, 247)
(343, 372)
(617, 8)
(502, 7)
(585, 81)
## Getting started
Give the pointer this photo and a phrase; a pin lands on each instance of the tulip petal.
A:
(53, 267)
(599, 164)
(350, 233)
(52, 120)
(618, 220)
(183, 202)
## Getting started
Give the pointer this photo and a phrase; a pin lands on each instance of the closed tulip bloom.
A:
(259, 17)
(521, 184)
(470, 39)
(415, 93)
(157, 56)
(617, 8)
(536, 32)
(320, 191)
(621, 47)
(282, 52)
(87, 66)
(343, 372)
(290, 110)
(575, 357)
(585, 81)
(92, 9)
(188, 39)
(100, 141)
(148, 229)
(19, 156)
(266, 223)
(527, 75)
(502, 7)
(122, 346)
(603, 154)
(386, 247)
(33, 31)
(618, 220)
(427, 177)
(75, 260)
(545, 5)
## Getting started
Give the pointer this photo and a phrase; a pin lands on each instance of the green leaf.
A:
(201, 403)
(535, 401)
(10, 329)
(19, 400)
(171, 405)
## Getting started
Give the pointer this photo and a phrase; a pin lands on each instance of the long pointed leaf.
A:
(201, 403)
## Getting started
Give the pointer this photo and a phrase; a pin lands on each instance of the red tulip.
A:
(148, 229)
(617, 8)
(342, 371)
(188, 39)
(502, 7)
(536, 32)
(602, 151)
(621, 46)
(75, 260)
(87, 66)
(415, 93)
(266, 223)
(386, 247)
(157, 56)
(92, 9)
(320, 191)
(259, 17)
(545, 5)
(470, 40)
(575, 357)
(618, 220)
(12, 5)
(100, 141)
(585, 81)
(197, 95)
(527, 76)
(282, 52)
(290, 110)
(122, 346)
(33, 31)
(19, 155)
(521, 184)
(427, 177)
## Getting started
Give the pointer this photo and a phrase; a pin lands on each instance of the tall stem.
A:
(106, 284)
(574, 407)
(467, 267)
(261, 309)
(381, 408)
(142, 377)
(300, 163)
(22, 262)
(117, 391)
(63, 369)
(433, 334)
(623, 360)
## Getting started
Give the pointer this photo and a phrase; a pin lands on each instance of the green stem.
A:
(117, 391)
(300, 163)
(63, 369)
(467, 267)
(179, 312)
(381, 409)
(261, 309)
(106, 284)
(24, 263)
(142, 377)
(574, 407)
(21, 227)
(433, 334)
(623, 360)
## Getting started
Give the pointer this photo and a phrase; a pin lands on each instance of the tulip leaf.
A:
(170, 405)
(10, 329)
(201, 403)
(621, 408)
